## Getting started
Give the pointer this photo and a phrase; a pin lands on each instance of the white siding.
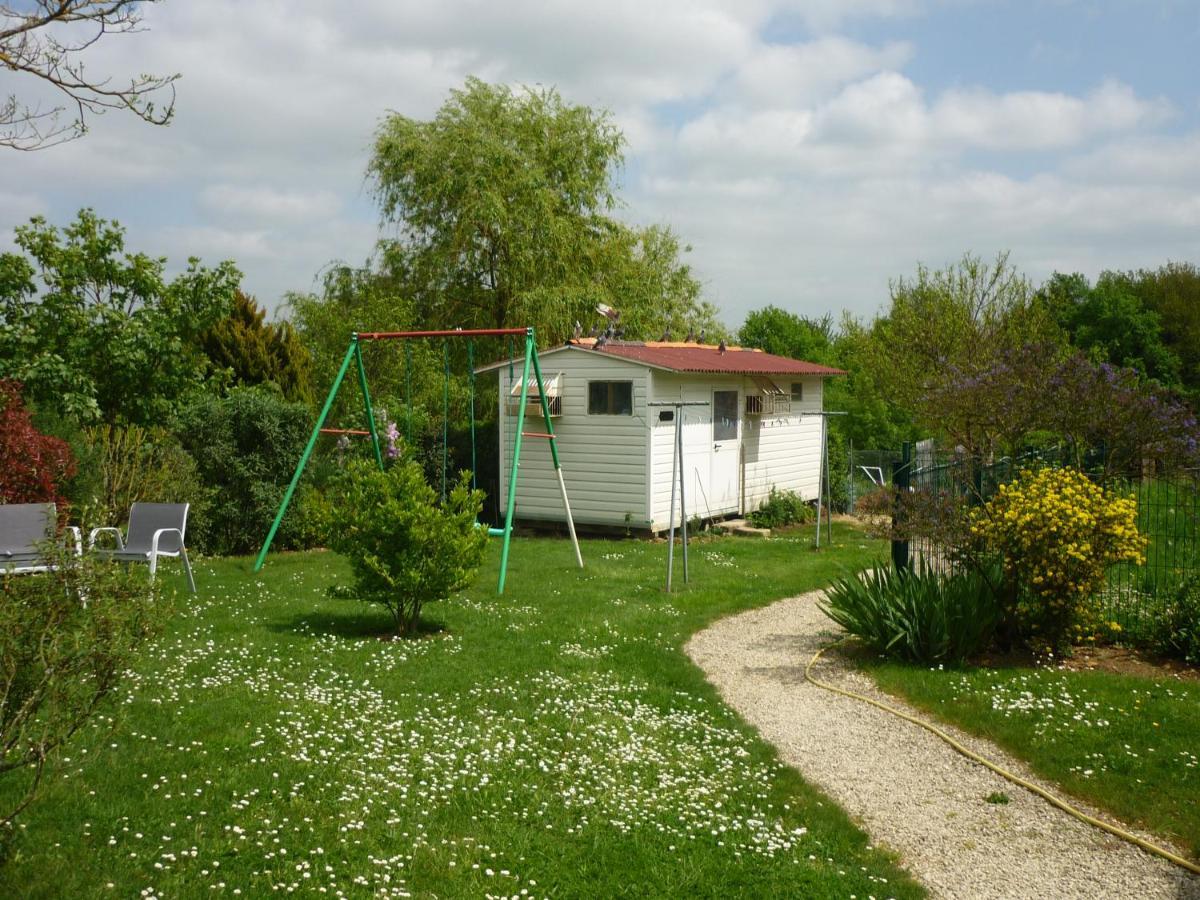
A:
(603, 458)
(784, 451)
(697, 442)
(618, 468)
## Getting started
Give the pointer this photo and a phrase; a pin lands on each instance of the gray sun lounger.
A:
(155, 529)
(25, 529)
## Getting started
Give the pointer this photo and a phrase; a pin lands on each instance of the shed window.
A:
(798, 391)
(610, 398)
(553, 388)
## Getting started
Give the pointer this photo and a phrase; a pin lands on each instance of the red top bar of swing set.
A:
(458, 332)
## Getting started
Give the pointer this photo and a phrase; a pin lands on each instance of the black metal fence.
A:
(1168, 509)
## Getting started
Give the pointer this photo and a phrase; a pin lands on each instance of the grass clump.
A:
(921, 616)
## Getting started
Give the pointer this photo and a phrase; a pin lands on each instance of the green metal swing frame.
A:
(354, 353)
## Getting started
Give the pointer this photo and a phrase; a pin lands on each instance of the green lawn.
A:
(1130, 745)
(552, 742)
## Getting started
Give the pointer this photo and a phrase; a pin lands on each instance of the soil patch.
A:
(1126, 661)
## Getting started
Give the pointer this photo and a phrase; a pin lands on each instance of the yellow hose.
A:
(1004, 773)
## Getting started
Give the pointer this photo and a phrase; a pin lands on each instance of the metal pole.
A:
(445, 413)
(682, 479)
(562, 485)
(820, 485)
(675, 461)
(678, 477)
(362, 382)
(512, 480)
(828, 485)
(312, 442)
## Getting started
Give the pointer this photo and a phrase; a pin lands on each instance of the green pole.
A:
(362, 382)
(312, 442)
(445, 413)
(512, 479)
(471, 382)
(408, 392)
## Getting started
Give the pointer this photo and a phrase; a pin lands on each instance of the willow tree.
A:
(503, 207)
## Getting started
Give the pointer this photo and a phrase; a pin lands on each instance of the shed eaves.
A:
(706, 358)
(678, 356)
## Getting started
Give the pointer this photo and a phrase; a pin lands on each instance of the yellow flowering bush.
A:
(1057, 532)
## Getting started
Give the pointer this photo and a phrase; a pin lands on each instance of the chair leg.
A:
(153, 565)
(187, 567)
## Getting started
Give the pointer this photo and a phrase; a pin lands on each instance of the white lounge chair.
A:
(155, 529)
(25, 528)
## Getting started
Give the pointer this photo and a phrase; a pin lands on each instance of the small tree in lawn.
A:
(405, 548)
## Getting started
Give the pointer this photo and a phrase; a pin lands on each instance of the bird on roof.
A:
(595, 330)
(609, 332)
(600, 341)
(619, 334)
(578, 333)
(666, 335)
(691, 336)
(700, 339)
(721, 348)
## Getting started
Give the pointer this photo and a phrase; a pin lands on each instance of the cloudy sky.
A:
(807, 150)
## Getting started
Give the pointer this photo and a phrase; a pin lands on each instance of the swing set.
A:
(354, 353)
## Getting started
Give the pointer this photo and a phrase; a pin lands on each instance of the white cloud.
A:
(800, 75)
(259, 202)
(1041, 120)
(806, 171)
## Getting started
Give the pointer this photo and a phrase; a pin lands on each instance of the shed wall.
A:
(778, 451)
(604, 458)
(785, 451)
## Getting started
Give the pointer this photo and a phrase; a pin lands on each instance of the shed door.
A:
(726, 427)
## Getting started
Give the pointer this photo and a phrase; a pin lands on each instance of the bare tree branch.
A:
(44, 39)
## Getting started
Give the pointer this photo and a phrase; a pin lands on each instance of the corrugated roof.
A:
(677, 356)
(680, 357)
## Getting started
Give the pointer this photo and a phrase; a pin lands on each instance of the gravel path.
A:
(910, 791)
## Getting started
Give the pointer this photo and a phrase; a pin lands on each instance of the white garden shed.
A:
(761, 429)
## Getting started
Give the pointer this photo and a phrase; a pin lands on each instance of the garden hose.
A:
(1004, 773)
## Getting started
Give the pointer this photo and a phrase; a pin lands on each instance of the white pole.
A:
(562, 487)
(671, 529)
(828, 483)
(682, 479)
(820, 482)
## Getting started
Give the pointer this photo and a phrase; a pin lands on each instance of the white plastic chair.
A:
(155, 529)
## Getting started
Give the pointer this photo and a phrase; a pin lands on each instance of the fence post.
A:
(901, 480)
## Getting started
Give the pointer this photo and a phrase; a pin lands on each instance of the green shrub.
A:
(920, 616)
(67, 638)
(246, 446)
(121, 466)
(782, 508)
(404, 548)
(1175, 629)
(1057, 532)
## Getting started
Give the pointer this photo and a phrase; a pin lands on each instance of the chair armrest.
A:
(76, 538)
(158, 534)
(96, 531)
